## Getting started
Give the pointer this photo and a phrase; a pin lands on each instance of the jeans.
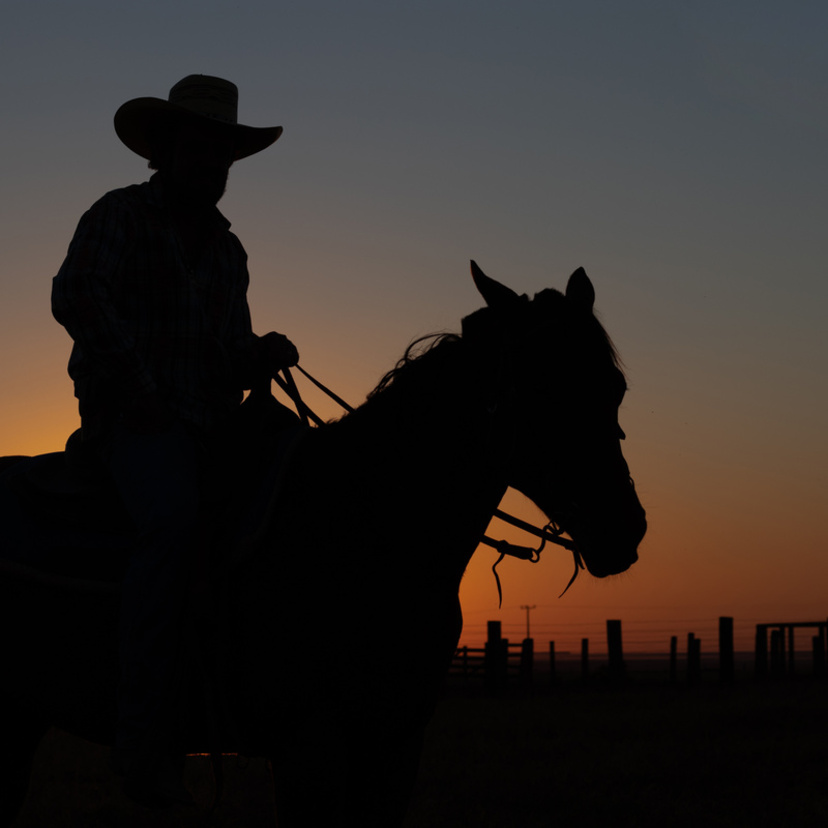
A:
(158, 478)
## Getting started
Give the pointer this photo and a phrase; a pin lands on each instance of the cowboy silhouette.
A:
(153, 294)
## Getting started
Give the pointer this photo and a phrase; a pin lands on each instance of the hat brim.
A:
(139, 119)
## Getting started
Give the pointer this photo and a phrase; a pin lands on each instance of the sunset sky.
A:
(675, 150)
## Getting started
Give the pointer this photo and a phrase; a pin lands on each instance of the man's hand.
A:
(276, 351)
(149, 415)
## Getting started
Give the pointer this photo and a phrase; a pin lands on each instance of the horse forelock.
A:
(586, 327)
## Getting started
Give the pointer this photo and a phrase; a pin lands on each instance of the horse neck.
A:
(422, 460)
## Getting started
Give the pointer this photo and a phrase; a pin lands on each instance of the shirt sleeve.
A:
(241, 341)
(82, 298)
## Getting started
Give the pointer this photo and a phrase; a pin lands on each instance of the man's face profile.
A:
(200, 162)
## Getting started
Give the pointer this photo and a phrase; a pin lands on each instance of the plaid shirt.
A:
(143, 321)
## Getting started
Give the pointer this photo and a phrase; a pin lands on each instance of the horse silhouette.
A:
(333, 633)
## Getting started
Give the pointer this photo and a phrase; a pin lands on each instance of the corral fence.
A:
(775, 651)
(501, 663)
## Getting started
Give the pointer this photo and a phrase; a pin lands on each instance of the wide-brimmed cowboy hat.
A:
(202, 99)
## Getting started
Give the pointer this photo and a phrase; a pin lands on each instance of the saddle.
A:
(68, 488)
(63, 522)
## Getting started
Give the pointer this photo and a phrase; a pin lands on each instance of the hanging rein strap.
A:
(550, 533)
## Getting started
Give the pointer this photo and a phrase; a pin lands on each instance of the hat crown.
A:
(210, 97)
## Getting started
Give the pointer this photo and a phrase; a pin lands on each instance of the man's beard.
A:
(202, 188)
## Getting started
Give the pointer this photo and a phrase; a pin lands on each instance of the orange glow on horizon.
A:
(691, 569)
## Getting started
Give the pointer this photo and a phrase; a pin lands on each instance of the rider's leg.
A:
(157, 477)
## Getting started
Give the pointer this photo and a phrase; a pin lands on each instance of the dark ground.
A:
(642, 754)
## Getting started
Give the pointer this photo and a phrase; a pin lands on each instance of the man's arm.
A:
(255, 356)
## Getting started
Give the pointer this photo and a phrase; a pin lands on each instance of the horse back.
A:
(57, 524)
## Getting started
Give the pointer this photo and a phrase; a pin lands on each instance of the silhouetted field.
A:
(642, 754)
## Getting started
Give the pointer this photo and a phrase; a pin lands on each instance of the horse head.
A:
(558, 386)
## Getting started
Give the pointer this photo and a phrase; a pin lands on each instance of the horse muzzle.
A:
(612, 547)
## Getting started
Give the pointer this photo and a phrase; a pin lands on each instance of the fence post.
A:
(760, 663)
(791, 656)
(726, 655)
(495, 659)
(823, 637)
(777, 653)
(615, 649)
(823, 634)
(693, 659)
(584, 658)
(673, 658)
(552, 672)
(818, 645)
(527, 653)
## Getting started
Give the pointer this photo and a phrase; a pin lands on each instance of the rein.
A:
(551, 533)
(288, 385)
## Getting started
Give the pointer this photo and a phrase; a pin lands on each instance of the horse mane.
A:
(432, 354)
(424, 351)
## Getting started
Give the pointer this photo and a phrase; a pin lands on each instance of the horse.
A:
(334, 632)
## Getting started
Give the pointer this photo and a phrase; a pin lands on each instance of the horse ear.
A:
(495, 294)
(580, 290)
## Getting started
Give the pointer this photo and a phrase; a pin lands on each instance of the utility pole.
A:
(524, 607)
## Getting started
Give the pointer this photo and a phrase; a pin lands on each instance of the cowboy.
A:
(153, 293)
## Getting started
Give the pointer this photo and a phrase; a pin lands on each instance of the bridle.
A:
(551, 533)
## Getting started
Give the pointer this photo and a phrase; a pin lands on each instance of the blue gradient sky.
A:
(675, 150)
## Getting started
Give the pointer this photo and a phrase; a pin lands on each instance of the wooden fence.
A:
(780, 659)
(501, 663)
